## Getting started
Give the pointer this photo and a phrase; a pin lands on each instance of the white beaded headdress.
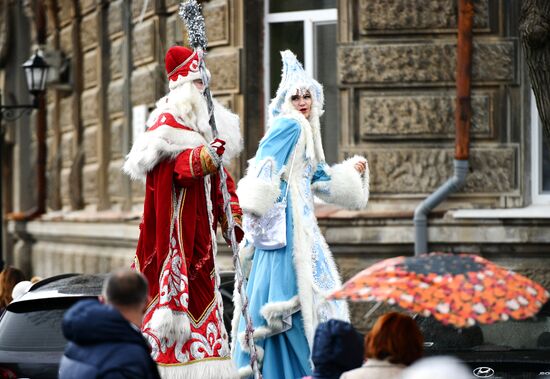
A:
(294, 79)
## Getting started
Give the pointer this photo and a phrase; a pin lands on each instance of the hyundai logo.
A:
(483, 372)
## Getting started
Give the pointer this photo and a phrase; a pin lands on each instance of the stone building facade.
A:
(393, 102)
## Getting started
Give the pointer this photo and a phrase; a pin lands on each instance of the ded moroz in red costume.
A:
(183, 205)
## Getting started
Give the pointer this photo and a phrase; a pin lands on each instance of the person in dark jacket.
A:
(337, 347)
(105, 341)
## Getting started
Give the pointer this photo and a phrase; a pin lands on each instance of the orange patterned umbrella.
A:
(457, 289)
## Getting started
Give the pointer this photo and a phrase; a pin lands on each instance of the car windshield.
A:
(530, 334)
(34, 325)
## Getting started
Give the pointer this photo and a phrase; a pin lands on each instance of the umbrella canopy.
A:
(458, 289)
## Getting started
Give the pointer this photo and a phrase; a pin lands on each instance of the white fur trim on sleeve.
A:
(256, 193)
(156, 145)
(346, 186)
(188, 107)
(277, 313)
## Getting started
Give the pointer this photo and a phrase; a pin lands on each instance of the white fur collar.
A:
(188, 107)
(311, 129)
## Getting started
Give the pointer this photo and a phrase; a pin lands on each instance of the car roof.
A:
(65, 285)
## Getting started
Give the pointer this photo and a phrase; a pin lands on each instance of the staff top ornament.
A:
(190, 13)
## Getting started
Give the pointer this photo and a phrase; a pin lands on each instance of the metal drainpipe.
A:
(463, 118)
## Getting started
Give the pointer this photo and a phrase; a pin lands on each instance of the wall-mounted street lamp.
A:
(36, 72)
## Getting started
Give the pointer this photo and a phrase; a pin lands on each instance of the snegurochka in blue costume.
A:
(286, 286)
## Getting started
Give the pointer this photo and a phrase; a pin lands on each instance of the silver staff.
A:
(190, 12)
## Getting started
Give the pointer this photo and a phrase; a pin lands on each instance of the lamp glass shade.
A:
(36, 70)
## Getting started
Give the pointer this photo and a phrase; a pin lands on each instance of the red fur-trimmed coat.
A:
(184, 174)
(176, 248)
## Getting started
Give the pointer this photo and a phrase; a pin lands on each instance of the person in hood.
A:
(105, 341)
(286, 285)
(179, 160)
(337, 347)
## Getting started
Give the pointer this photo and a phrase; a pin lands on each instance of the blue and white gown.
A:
(286, 286)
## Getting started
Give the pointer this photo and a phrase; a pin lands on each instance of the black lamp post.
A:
(36, 72)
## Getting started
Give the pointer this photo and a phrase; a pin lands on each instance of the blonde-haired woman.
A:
(286, 284)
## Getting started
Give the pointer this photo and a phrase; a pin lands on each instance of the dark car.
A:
(510, 350)
(31, 341)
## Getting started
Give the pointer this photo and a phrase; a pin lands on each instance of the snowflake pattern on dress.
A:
(325, 278)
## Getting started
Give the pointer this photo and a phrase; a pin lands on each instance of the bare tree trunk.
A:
(534, 29)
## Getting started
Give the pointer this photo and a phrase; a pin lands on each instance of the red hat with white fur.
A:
(182, 66)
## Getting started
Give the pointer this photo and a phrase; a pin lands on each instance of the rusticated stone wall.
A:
(423, 63)
(409, 171)
(418, 16)
(397, 62)
(425, 115)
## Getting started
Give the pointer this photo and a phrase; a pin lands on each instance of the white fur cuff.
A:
(347, 187)
(275, 313)
(256, 193)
